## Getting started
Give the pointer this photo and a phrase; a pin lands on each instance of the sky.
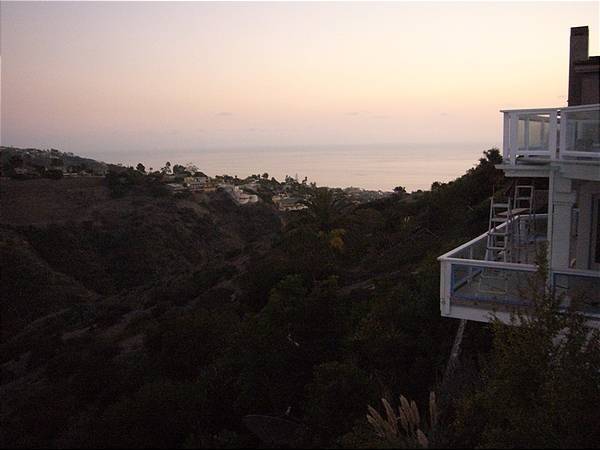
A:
(149, 76)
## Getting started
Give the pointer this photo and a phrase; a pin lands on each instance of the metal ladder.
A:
(498, 247)
(524, 230)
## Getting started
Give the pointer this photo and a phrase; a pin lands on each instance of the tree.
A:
(436, 186)
(14, 162)
(491, 156)
(191, 168)
(54, 174)
(140, 168)
(178, 169)
(540, 386)
(56, 162)
(334, 398)
(323, 206)
(161, 414)
(265, 176)
(284, 342)
(166, 169)
(400, 190)
(181, 347)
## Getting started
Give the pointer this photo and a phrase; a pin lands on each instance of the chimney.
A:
(578, 52)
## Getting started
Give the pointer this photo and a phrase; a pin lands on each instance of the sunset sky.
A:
(147, 76)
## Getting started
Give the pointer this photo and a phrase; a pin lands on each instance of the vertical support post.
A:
(563, 201)
(506, 138)
(526, 133)
(470, 267)
(445, 287)
(514, 122)
(550, 220)
(455, 352)
(552, 148)
(542, 129)
(563, 134)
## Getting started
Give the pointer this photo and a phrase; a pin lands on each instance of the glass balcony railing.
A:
(581, 287)
(552, 134)
(472, 286)
(582, 133)
(533, 132)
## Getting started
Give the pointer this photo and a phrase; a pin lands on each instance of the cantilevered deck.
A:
(474, 288)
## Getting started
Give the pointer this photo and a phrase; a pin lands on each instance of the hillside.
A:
(138, 275)
(48, 158)
(152, 320)
(43, 201)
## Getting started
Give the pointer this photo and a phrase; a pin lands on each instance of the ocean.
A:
(373, 167)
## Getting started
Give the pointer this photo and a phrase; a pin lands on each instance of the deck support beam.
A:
(563, 199)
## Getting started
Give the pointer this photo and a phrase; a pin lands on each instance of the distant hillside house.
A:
(287, 203)
(238, 196)
(175, 187)
(196, 184)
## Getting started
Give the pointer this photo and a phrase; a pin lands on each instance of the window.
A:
(597, 251)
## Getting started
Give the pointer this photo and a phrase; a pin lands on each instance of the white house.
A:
(239, 196)
(196, 184)
(175, 187)
(287, 203)
(553, 157)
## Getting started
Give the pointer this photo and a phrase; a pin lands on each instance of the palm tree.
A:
(324, 207)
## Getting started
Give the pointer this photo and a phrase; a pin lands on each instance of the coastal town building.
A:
(238, 196)
(552, 156)
(196, 184)
(175, 187)
(285, 202)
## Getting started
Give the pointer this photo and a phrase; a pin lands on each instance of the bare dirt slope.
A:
(45, 201)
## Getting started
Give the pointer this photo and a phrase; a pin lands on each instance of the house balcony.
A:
(473, 287)
(543, 136)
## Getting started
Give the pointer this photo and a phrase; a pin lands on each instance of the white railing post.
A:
(505, 138)
(563, 135)
(445, 286)
(514, 123)
(471, 256)
(525, 133)
(552, 148)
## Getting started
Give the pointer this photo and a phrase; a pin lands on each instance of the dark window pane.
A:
(597, 257)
